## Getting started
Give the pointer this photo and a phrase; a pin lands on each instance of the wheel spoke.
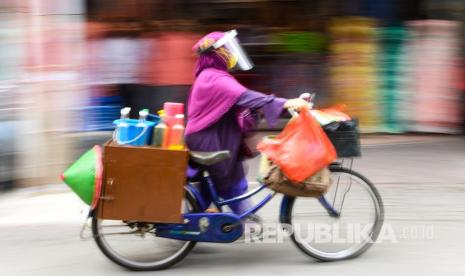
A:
(345, 194)
(126, 244)
(363, 212)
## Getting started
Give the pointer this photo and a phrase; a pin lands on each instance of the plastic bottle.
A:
(141, 126)
(143, 114)
(176, 135)
(160, 131)
(125, 113)
(122, 128)
(171, 110)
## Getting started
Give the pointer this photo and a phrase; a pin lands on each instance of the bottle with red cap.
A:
(171, 110)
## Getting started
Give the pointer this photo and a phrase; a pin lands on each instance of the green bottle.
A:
(160, 131)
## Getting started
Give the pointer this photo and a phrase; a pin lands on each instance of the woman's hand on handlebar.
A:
(296, 104)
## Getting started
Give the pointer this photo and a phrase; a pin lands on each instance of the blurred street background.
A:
(68, 66)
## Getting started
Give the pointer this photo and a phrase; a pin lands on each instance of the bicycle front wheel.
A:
(352, 232)
(134, 245)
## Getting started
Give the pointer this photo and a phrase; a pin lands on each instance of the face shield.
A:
(230, 42)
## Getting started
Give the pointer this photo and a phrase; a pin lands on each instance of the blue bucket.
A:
(133, 132)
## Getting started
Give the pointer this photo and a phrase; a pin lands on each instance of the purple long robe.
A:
(226, 134)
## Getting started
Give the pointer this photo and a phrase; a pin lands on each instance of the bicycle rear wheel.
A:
(332, 238)
(134, 245)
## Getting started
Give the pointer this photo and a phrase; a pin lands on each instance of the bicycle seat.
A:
(209, 158)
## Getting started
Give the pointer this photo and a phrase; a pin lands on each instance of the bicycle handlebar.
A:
(308, 97)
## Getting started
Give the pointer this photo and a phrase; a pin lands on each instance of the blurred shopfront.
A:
(68, 66)
(366, 54)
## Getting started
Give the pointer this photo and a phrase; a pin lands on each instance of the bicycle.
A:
(358, 196)
(351, 197)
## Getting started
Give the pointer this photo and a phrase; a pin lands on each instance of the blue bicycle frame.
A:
(221, 227)
(219, 203)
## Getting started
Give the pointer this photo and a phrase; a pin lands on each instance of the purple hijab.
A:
(214, 91)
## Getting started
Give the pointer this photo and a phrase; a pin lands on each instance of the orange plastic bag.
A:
(301, 149)
(336, 113)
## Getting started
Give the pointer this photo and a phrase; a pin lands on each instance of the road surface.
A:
(421, 182)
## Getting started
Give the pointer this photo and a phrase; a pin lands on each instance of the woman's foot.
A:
(212, 210)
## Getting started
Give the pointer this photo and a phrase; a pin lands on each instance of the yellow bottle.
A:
(176, 134)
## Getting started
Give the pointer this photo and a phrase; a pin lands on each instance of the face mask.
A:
(231, 44)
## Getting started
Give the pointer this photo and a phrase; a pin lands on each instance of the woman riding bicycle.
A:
(221, 111)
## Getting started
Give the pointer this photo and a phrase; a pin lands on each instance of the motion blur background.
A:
(68, 66)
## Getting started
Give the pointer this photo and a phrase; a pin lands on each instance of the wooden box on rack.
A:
(142, 183)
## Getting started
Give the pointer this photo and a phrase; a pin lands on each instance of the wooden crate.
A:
(142, 183)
